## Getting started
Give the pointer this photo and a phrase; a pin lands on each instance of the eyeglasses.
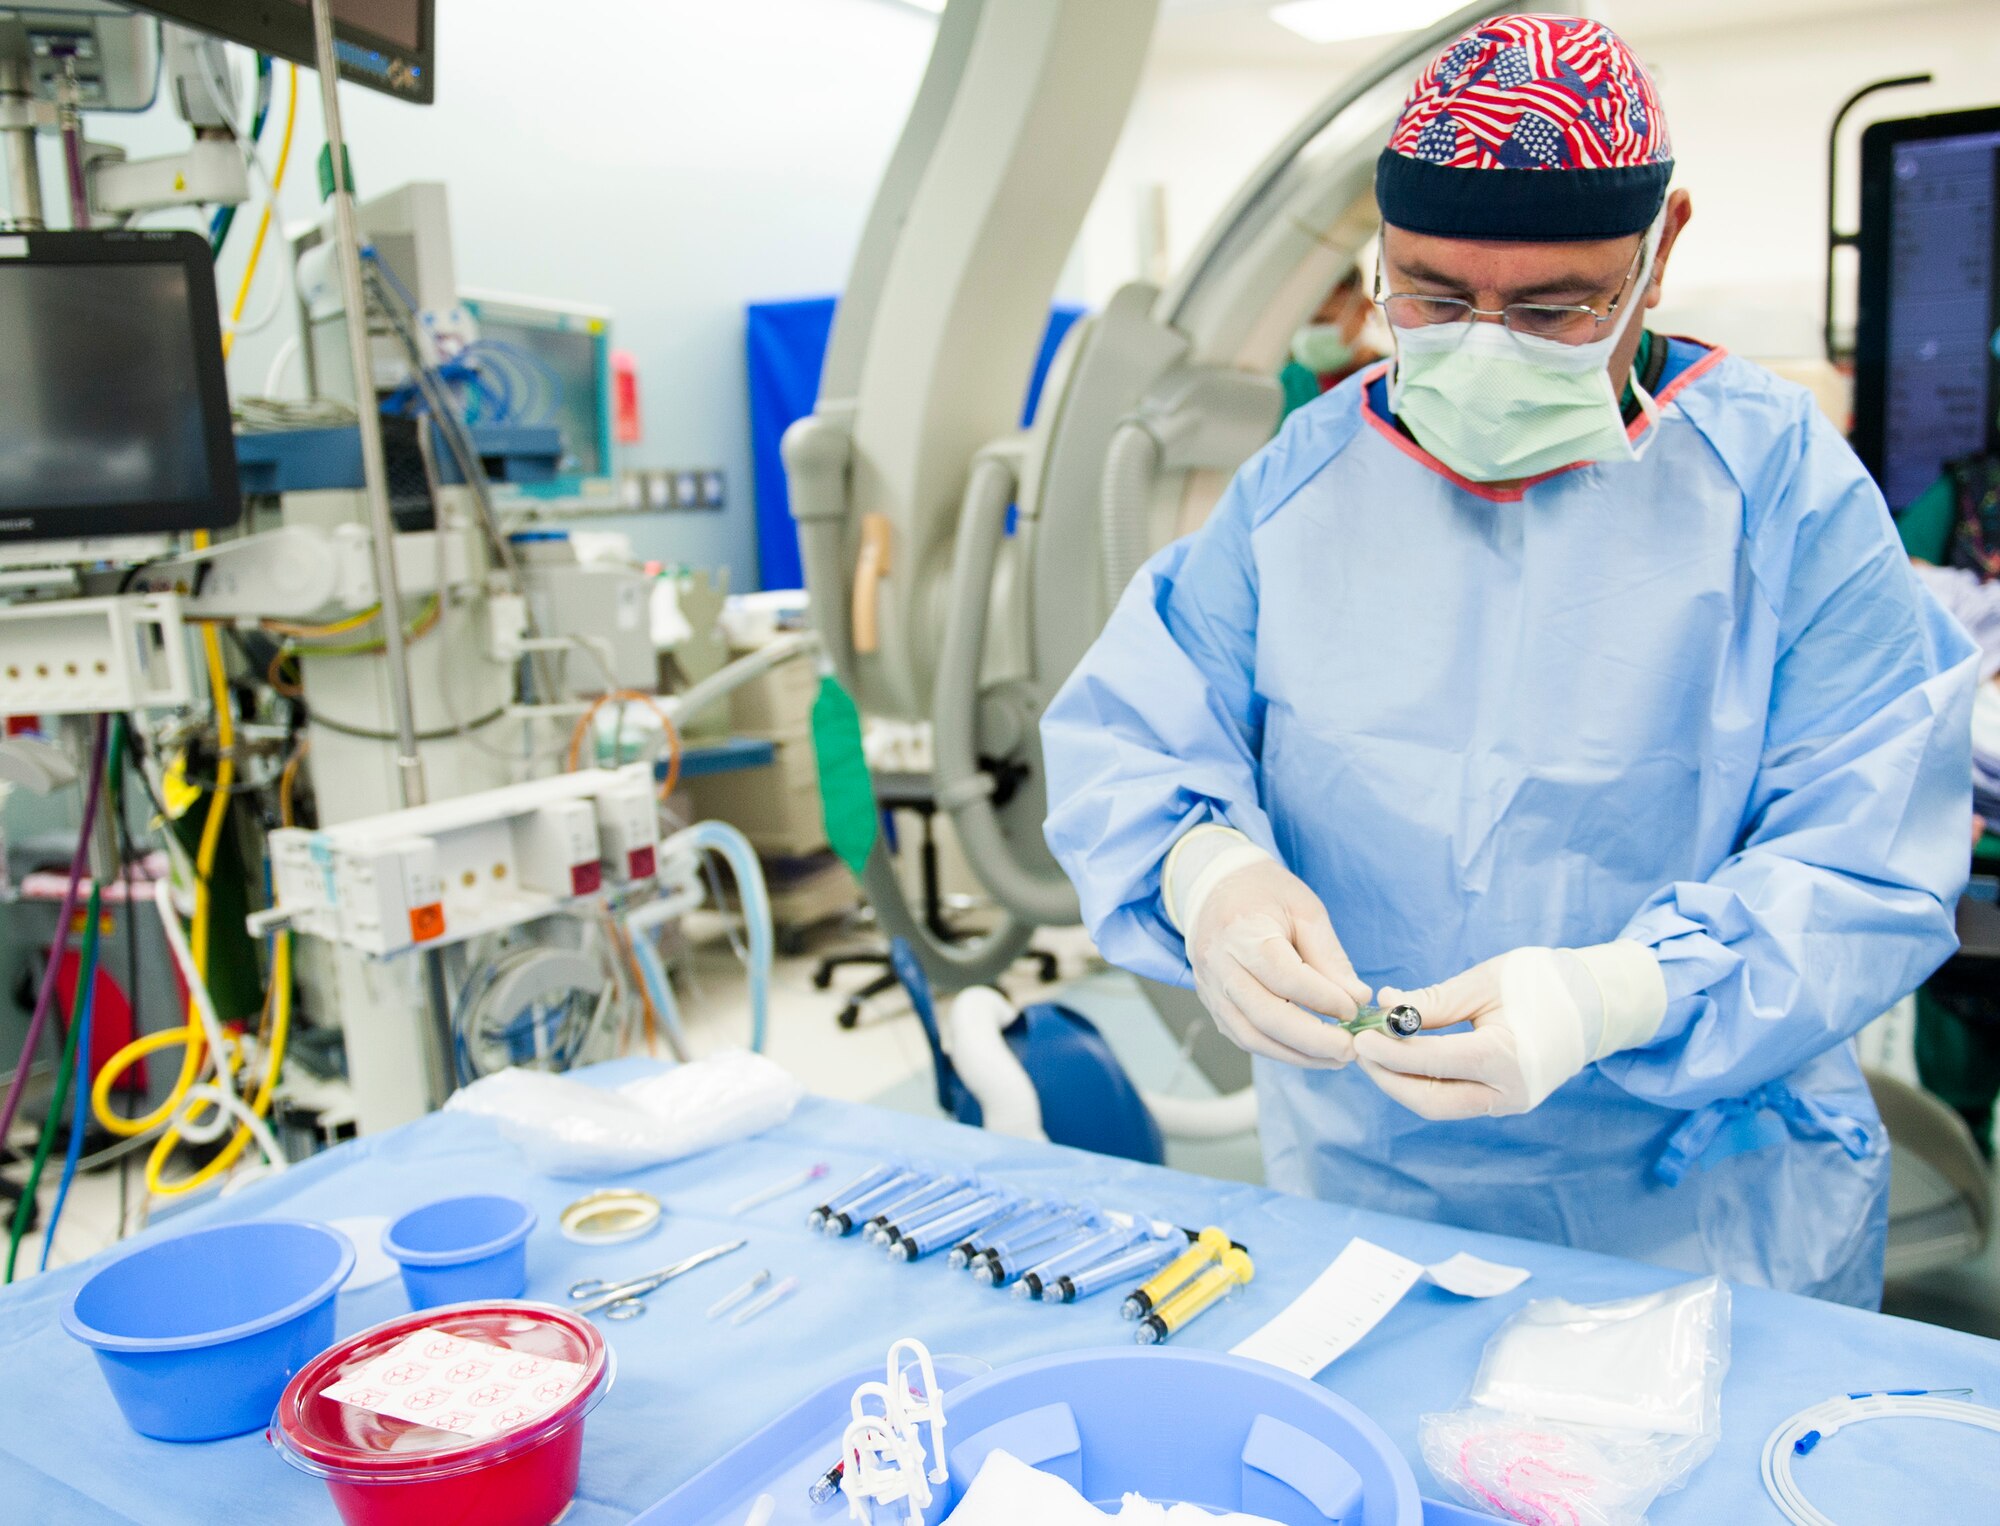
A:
(1562, 322)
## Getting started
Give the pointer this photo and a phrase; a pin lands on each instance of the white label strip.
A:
(1350, 1298)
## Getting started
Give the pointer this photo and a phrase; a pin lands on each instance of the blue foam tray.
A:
(795, 1450)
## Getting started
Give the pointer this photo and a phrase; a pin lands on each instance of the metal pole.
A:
(69, 122)
(1835, 239)
(17, 129)
(375, 476)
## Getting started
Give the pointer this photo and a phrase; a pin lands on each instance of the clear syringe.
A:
(936, 1208)
(926, 1238)
(1072, 1258)
(1028, 1218)
(843, 1219)
(1129, 1263)
(921, 1196)
(1005, 1259)
(866, 1182)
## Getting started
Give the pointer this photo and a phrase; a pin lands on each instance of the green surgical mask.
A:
(1496, 406)
(1322, 349)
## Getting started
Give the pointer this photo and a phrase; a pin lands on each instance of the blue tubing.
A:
(660, 989)
(721, 838)
(79, 1119)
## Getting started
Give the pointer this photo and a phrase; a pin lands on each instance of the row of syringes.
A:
(1051, 1252)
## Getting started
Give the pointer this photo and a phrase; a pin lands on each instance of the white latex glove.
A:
(1266, 960)
(1538, 1015)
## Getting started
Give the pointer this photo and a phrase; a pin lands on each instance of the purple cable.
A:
(61, 946)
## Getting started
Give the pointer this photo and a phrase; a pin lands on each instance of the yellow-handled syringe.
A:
(1209, 1287)
(1207, 1249)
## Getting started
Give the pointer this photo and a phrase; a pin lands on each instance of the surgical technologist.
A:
(1567, 672)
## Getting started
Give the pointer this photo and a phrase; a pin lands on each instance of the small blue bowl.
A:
(198, 1334)
(461, 1248)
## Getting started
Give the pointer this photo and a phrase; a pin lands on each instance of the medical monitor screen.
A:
(1927, 364)
(389, 45)
(561, 368)
(114, 410)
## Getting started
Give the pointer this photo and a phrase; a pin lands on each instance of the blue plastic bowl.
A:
(1182, 1427)
(198, 1334)
(461, 1248)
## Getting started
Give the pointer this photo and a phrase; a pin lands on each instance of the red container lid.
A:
(333, 1439)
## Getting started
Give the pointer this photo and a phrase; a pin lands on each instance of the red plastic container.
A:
(383, 1471)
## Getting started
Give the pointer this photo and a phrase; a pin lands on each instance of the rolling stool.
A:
(908, 792)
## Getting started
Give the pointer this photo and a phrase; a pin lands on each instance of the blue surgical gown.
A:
(1697, 700)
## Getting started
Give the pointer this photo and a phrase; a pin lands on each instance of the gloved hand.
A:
(1538, 1015)
(1266, 960)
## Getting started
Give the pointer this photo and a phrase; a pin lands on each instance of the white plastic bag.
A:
(1582, 1414)
(568, 1128)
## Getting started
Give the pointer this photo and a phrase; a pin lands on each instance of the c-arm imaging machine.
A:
(903, 477)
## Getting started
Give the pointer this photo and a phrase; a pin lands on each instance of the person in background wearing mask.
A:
(1566, 682)
(1329, 349)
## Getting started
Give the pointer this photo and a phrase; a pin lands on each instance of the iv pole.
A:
(438, 1049)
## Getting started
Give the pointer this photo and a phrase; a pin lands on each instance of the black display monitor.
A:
(114, 406)
(387, 44)
(1927, 339)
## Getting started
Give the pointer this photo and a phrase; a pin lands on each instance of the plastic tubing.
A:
(222, 1094)
(44, 999)
(1142, 1257)
(654, 973)
(189, 1036)
(264, 222)
(1809, 1427)
(79, 1120)
(734, 849)
(86, 978)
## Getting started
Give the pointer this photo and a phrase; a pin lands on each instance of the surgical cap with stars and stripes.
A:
(1533, 128)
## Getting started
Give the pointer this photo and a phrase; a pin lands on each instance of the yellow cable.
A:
(190, 1037)
(264, 222)
(352, 622)
(204, 865)
(281, 1026)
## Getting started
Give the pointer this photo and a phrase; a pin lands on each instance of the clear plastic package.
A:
(1583, 1414)
(570, 1128)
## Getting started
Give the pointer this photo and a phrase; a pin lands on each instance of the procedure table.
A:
(689, 1389)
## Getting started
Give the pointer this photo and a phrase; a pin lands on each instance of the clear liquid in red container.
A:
(385, 1471)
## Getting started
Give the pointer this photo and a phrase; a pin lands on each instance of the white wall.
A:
(1197, 130)
(1749, 107)
(668, 159)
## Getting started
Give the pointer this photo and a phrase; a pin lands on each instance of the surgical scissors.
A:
(623, 1300)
